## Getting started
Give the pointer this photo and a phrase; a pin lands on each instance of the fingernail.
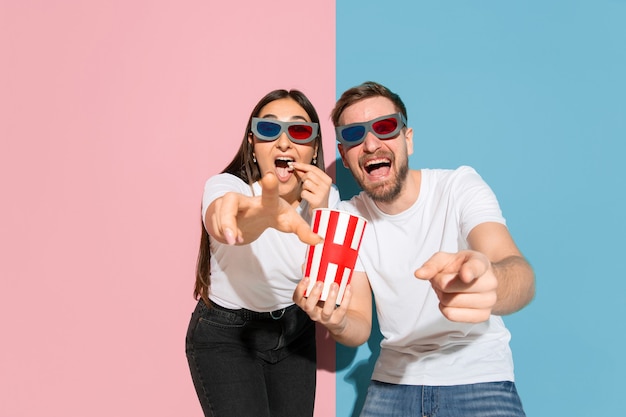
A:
(228, 235)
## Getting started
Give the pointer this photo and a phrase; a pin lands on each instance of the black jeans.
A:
(248, 366)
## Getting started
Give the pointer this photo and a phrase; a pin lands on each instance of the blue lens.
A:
(353, 134)
(268, 129)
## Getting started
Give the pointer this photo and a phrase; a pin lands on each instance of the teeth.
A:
(376, 162)
(371, 165)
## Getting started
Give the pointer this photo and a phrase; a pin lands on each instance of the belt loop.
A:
(280, 315)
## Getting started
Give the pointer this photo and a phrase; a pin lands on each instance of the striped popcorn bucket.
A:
(333, 260)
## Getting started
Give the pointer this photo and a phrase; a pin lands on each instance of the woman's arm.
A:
(238, 219)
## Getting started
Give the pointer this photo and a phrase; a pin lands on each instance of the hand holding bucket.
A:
(333, 259)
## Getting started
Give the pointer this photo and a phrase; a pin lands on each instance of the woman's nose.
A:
(283, 142)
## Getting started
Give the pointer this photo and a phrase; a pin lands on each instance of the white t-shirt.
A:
(262, 275)
(420, 346)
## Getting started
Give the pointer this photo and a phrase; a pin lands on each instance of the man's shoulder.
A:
(445, 178)
(449, 172)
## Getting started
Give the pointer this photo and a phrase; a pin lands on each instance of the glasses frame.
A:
(368, 128)
(284, 127)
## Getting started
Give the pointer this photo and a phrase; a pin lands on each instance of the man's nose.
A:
(371, 142)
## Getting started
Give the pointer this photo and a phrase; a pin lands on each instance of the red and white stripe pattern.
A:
(333, 260)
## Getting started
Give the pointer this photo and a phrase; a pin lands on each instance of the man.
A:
(442, 267)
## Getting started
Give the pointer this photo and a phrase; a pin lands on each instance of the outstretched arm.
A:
(491, 278)
(516, 278)
(238, 219)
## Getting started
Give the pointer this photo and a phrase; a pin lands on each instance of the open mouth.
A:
(377, 166)
(283, 167)
(283, 162)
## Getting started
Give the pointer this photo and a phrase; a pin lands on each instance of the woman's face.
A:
(273, 156)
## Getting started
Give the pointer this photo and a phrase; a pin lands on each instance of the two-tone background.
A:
(114, 113)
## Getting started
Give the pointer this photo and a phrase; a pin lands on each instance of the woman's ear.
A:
(251, 143)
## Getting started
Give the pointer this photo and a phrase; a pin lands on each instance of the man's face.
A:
(379, 166)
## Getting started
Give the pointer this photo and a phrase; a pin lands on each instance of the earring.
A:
(254, 158)
(314, 161)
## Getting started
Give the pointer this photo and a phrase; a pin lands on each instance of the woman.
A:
(251, 351)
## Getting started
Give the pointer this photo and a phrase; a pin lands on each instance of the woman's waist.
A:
(260, 302)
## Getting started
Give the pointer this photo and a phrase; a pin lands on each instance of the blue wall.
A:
(533, 95)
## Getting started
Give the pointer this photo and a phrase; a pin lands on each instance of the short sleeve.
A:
(218, 185)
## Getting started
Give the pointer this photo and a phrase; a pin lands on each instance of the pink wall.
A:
(112, 115)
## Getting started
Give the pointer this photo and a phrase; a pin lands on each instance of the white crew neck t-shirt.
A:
(262, 275)
(420, 346)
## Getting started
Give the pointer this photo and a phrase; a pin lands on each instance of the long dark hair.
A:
(244, 167)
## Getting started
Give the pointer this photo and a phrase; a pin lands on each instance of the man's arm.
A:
(516, 279)
(491, 278)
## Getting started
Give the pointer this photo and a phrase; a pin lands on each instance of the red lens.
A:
(385, 126)
(300, 132)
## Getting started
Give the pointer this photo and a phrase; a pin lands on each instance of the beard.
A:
(388, 191)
